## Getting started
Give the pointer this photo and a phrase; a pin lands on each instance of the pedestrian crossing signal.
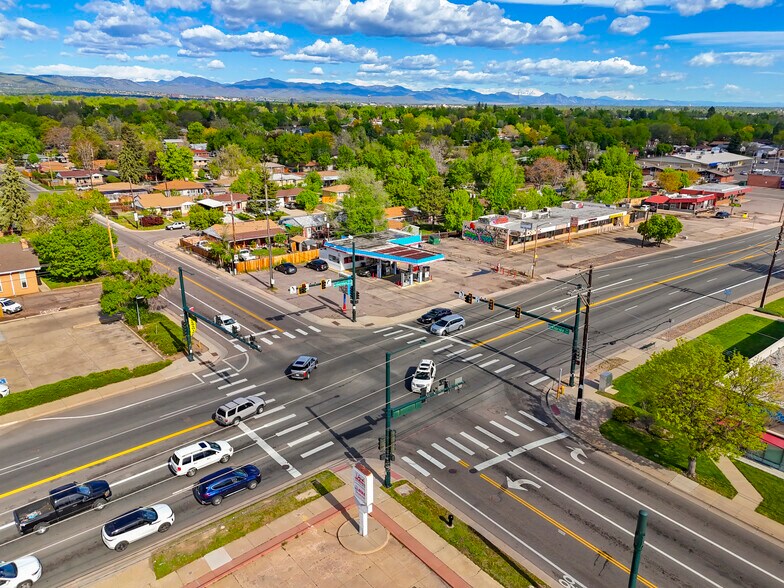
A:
(518, 312)
(491, 304)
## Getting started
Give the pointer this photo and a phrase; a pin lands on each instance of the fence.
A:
(262, 263)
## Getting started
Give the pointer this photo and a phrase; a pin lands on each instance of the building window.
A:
(1, 283)
(23, 279)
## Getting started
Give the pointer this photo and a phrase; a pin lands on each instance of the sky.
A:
(719, 51)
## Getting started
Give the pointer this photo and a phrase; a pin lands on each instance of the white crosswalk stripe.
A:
(431, 459)
(474, 440)
(442, 348)
(405, 336)
(532, 417)
(446, 452)
(518, 423)
(267, 341)
(301, 331)
(503, 369)
(489, 434)
(289, 335)
(314, 329)
(504, 429)
(460, 446)
(414, 465)
(393, 333)
(487, 363)
(380, 330)
(458, 352)
(470, 357)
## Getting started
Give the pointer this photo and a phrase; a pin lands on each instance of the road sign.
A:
(338, 283)
(559, 328)
(404, 409)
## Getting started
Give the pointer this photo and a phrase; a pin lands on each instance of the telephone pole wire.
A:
(578, 411)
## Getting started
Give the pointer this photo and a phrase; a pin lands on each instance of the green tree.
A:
(719, 405)
(308, 199)
(434, 197)
(17, 139)
(132, 160)
(14, 199)
(459, 175)
(200, 218)
(313, 182)
(69, 209)
(660, 228)
(293, 150)
(364, 206)
(128, 279)
(73, 252)
(230, 160)
(196, 133)
(458, 209)
(735, 144)
(672, 180)
(175, 163)
(346, 157)
(603, 188)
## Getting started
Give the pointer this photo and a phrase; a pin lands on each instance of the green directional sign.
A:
(404, 409)
(338, 283)
(558, 328)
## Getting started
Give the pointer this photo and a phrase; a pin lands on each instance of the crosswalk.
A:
(271, 336)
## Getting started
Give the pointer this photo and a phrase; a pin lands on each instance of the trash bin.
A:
(434, 239)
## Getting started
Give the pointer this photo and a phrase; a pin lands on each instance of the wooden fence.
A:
(262, 263)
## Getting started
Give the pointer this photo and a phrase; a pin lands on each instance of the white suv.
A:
(9, 306)
(424, 376)
(136, 524)
(188, 460)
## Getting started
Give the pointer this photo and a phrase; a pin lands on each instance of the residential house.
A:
(175, 142)
(161, 204)
(334, 194)
(314, 226)
(274, 168)
(308, 167)
(239, 202)
(245, 234)
(286, 178)
(53, 167)
(18, 267)
(328, 177)
(118, 190)
(182, 187)
(79, 178)
(397, 217)
(198, 147)
(288, 197)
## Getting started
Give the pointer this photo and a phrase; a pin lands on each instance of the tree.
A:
(73, 253)
(128, 280)
(434, 197)
(660, 228)
(719, 405)
(603, 188)
(200, 218)
(459, 174)
(346, 157)
(14, 199)
(734, 144)
(308, 200)
(546, 170)
(364, 206)
(196, 133)
(313, 182)
(132, 161)
(69, 209)
(294, 150)
(230, 160)
(458, 209)
(176, 163)
(17, 139)
(672, 180)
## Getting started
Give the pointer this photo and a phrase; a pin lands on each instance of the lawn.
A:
(12, 238)
(223, 531)
(631, 388)
(671, 453)
(748, 334)
(776, 307)
(54, 283)
(158, 330)
(465, 539)
(770, 487)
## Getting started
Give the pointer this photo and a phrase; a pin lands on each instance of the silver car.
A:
(238, 409)
(448, 324)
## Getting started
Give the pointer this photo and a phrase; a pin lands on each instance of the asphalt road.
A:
(577, 523)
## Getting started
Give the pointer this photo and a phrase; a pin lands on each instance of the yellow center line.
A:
(223, 298)
(758, 245)
(105, 459)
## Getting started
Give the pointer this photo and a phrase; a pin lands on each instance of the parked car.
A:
(433, 315)
(722, 214)
(5, 390)
(302, 367)
(203, 244)
(286, 268)
(447, 324)
(214, 488)
(244, 255)
(424, 376)
(240, 408)
(318, 264)
(368, 271)
(228, 323)
(20, 573)
(177, 225)
(136, 524)
(62, 502)
(9, 306)
(645, 207)
(186, 461)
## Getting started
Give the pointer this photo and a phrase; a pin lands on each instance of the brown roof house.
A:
(182, 187)
(245, 233)
(240, 201)
(18, 267)
(81, 178)
(161, 204)
(334, 194)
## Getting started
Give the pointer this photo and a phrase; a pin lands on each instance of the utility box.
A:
(605, 381)
(434, 240)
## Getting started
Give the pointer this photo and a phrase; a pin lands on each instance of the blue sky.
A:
(725, 51)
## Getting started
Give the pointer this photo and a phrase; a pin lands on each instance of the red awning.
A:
(657, 199)
(773, 440)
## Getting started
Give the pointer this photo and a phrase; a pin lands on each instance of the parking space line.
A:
(385, 329)
(270, 451)
(317, 449)
(489, 434)
(241, 390)
(505, 429)
(532, 417)
(416, 340)
(503, 369)
(487, 363)
(449, 454)
(432, 460)
(414, 465)
(305, 438)
(314, 329)
(230, 384)
(460, 446)
(290, 429)
(518, 423)
(289, 335)
(474, 440)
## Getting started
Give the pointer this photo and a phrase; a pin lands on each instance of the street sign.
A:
(408, 407)
(558, 328)
(338, 283)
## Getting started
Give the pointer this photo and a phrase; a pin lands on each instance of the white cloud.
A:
(683, 7)
(609, 68)
(152, 58)
(732, 88)
(194, 53)
(216, 64)
(22, 28)
(7, 4)
(317, 71)
(593, 19)
(206, 39)
(38, 6)
(417, 62)
(733, 38)
(374, 67)
(118, 56)
(743, 58)
(433, 22)
(629, 25)
(164, 5)
(629, 6)
(333, 51)
(671, 76)
(136, 73)
(662, 47)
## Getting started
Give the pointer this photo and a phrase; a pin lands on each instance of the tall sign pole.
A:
(353, 281)
(186, 322)
(578, 411)
(772, 263)
(575, 337)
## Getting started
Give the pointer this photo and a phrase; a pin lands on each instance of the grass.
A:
(159, 331)
(748, 334)
(275, 251)
(770, 487)
(631, 388)
(670, 453)
(65, 388)
(127, 221)
(223, 531)
(776, 307)
(54, 283)
(12, 238)
(465, 539)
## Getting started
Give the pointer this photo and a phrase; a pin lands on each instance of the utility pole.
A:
(639, 541)
(186, 322)
(388, 423)
(584, 353)
(533, 261)
(772, 263)
(575, 335)
(354, 281)
(266, 207)
(233, 233)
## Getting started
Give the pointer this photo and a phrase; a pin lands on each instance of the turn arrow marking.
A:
(518, 484)
(577, 453)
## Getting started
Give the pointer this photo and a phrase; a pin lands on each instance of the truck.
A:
(61, 503)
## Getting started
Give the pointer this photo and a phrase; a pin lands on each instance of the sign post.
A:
(363, 495)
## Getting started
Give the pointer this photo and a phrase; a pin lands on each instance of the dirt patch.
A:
(609, 364)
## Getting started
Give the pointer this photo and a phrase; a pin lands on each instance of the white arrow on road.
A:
(518, 484)
(577, 453)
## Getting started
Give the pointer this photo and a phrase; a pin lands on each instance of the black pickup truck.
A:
(62, 503)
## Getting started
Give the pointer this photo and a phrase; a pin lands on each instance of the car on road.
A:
(302, 367)
(424, 376)
(286, 268)
(318, 264)
(20, 573)
(214, 488)
(722, 214)
(61, 503)
(433, 315)
(448, 324)
(227, 322)
(238, 409)
(137, 524)
(186, 461)
(10, 307)
(177, 225)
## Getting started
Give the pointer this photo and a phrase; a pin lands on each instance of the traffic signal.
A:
(491, 304)
(381, 445)
(303, 289)
(392, 438)
(469, 298)
(355, 294)
(518, 312)
(323, 284)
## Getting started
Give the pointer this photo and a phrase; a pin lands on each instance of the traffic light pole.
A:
(575, 339)
(578, 410)
(186, 324)
(388, 423)
(354, 284)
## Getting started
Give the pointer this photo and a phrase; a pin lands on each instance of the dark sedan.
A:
(722, 214)
(317, 264)
(214, 488)
(302, 367)
(286, 268)
(433, 315)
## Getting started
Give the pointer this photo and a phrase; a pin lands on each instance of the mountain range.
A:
(278, 90)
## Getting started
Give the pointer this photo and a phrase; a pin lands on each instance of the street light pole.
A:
(388, 423)
(575, 335)
(266, 207)
(584, 353)
(353, 281)
(772, 263)
(138, 315)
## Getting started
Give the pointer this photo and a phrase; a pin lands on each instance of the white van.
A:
(186, 461)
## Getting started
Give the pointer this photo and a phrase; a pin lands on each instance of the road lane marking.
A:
(198, 378)
(269, 411)
(518, 423)
(314, 329)
(19, 463)
(416, 340)
(525, 373)
(539, 380)
(470, 357)
(275, 422)
(724, 289)
(267, 341)
(446, 452)
(503, 369)
(317, 449)
(517, 451)
(523, 349)
(487, 363)
(139, 475)
(245, 389)
(289, 335)
(444, 347)
(417, 329)
(489, 434)
(432, 460)
(394, 333)
(635, 306)
(505, 429)
(290, 429)
(7, 526)
(458, 352)
(230, 384)
(474, 440)
(643, 265)
(107, 458)
(383, 330)
(532, 417)
(270, 451)
(673, 292)
(711, 280)
(460, 446)
(305, 438)
(413, 464)
(405, 336)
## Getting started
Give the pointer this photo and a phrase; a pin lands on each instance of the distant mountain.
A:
(278, 90)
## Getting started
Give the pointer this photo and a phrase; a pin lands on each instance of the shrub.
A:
(624, 414)
(151, 221)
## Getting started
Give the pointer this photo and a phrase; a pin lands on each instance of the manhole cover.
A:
(452, 471)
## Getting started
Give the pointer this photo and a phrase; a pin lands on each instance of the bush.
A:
(243, 217)
(177, 214)
(151, 221)
(624, 414)
(113, 180)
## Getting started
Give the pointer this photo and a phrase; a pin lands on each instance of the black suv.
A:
(317, 264)
(433, 315)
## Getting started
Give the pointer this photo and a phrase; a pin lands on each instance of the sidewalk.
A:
(305, 549)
